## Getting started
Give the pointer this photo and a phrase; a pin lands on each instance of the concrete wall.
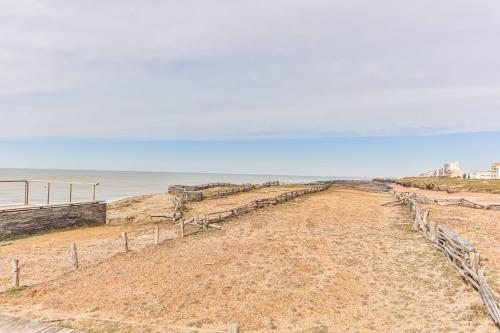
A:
(15, 222)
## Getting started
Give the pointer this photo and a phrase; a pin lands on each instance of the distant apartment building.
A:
(495, 170)
(481, 175)
(451, 169)
(493, 173)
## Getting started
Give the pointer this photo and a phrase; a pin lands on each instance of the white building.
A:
(493, 173)
(451, 169)
(481, 175)
(495, 170)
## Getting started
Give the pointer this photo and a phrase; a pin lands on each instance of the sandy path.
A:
(479, 227)
(138, 210)
(335, 261)
(480, 198)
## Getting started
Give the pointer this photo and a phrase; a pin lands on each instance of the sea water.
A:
(114, 185)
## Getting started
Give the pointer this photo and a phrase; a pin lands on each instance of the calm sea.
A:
(115, 185)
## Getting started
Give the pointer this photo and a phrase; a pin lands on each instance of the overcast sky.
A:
(74, 73)
(228, 69)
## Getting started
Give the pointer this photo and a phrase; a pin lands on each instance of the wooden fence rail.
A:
(208, 219)
(459, 253)
(176, 189)
(450, 202)
(185, 193)
(196, 195)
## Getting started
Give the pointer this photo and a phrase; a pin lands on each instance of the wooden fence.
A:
(459, 253)
(451, 202)
(198, 195)
(208, 219)
(186, 193)
(176, 189)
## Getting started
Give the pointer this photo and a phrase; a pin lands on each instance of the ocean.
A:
(114, 185)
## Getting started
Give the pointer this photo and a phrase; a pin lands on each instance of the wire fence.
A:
(15, 193)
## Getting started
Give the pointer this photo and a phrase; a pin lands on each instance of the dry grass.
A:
(45, 257)
(452, 184)
(477, 197)
(226, 203)
(479, 227)
(138, 210)
(335, 261)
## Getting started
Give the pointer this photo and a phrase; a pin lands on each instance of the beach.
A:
(333, 261)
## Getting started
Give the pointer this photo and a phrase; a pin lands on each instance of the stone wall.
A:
(31, 220)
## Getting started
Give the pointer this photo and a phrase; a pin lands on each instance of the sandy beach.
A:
(335, 261)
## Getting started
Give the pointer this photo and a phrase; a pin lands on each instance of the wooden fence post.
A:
(15, 273)
(234, 328)
(423, 221)
(474, 261)
(157, 235)
(125, 241)
(432, 230)
(414, 226)
(73, 256)
(182, 227)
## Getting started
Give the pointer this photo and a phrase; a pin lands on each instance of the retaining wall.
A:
(31, 220)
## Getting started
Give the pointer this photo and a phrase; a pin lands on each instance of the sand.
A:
(232, 201)
(138, 210)
(479, 227)
(335, 261)
(45, 257)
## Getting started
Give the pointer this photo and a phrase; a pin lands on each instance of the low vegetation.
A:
(452, 185)
(336, 261)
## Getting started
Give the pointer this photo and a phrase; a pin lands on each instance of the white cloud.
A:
(228, 69)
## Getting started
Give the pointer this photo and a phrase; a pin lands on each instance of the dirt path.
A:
(335, 261)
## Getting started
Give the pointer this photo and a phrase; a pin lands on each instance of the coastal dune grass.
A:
(334, 261)
(452, 184)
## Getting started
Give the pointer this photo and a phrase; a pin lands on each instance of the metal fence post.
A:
(48, 193)
(26, 192)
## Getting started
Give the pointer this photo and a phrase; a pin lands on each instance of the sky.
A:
(273, 82)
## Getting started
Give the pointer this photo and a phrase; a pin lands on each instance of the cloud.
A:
(243, 69)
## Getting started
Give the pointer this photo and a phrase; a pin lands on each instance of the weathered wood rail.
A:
(208, 219)
(10, 324)
(186, 193)
(193, 193)
(459, 253)
(176, 189)
(451, 202)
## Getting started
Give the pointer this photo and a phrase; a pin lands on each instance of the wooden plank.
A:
(10, 324)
